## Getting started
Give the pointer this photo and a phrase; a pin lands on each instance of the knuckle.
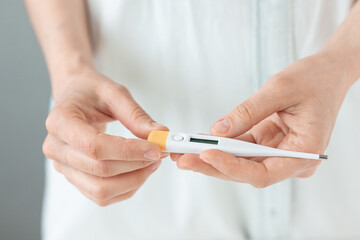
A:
(282, 85)
(128, 195)
(260, 184)
(121, 89)
(50, 120)
(91, 148)
(146, 163)
(143, 164)
(183, 165)
(100, 193)
(101, 169)
(308, 168)
(112, 90)
(131, 194)
(101, 203)
(47, 149)
(138, 180)
(57, 166)
(313, 164)
(233, 170)
(307, 174)
(279, 81)
(138, 113)
(246, 111)
(125, 149)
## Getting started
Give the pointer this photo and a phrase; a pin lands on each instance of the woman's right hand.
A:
(105, 168)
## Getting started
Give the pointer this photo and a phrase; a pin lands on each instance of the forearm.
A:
(62, 30)
(344, 45)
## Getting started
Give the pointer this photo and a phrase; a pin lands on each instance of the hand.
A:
(294, 110)
(105, 168)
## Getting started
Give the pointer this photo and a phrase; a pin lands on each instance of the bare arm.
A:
(296, 110)
(105, 168)
(63, 32)
(344, 44)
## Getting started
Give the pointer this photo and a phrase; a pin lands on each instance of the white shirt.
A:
(187, 63)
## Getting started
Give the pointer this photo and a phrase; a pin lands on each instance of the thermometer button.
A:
(177, 137)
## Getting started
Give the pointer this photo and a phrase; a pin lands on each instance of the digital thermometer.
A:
(196, 143)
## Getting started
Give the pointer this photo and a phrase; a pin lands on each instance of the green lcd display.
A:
(207, 141)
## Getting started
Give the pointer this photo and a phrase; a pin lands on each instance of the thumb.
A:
(249, 113)
(124, 108)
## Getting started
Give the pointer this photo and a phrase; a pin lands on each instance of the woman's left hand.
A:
(295, 110)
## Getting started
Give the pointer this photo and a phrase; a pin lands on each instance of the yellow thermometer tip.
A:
(159, 137)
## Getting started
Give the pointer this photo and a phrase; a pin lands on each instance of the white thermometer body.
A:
(195, 143)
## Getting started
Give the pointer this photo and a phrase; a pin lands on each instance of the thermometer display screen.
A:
(207, 141)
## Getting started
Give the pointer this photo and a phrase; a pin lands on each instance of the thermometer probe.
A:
(174, 142)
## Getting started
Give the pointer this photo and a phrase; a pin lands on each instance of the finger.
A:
(258, 107)
(259, 174)
(107, 202)
(239, 169)
(247, 137)
(124, 108)
(101, 189)
(300, 143)
(175, 156)
(63, 153)
(116, 199)
(194, 163)
(268, 132)
(69, 124)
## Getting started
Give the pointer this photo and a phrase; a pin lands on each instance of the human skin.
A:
(295, 110)
(105, 168)
(108, 169)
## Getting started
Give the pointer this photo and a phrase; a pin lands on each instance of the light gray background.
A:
(24, 94)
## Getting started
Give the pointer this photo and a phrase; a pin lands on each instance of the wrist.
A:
(343, 62)
(72, 78)
(343, 70)
(68, 65)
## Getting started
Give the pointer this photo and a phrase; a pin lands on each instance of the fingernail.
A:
(155, 165)
(164, 154)
(152, 155)
(222, 126)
